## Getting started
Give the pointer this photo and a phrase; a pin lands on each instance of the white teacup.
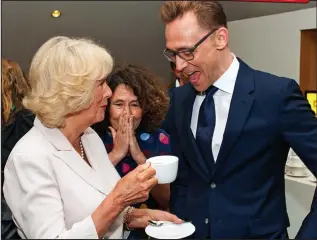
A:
(294, 161)
(166, 167)
(297, 171)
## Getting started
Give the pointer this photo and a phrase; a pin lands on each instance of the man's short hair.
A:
(210, 14)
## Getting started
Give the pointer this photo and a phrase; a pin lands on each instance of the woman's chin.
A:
(99, 118)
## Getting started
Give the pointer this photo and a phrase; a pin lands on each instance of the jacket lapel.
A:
(101, 163)
(240, 106)
(190, 147)
(66, 153)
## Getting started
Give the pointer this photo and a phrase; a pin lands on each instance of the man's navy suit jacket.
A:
(243, 195)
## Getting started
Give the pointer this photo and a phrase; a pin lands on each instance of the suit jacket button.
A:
(213, 185)
(206, 221)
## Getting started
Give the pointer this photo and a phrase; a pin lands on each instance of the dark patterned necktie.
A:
(206, 125)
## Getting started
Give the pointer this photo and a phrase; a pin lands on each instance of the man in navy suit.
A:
(231, 127)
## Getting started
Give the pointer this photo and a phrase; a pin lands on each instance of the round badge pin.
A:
(145, 136)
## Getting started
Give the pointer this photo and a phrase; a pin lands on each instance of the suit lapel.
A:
(66, 153)
(240, 106)
(190, 148)
(73, 160)
(100, 161)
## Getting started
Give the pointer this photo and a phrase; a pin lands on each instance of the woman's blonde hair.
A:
(14, 86)
(62, 76)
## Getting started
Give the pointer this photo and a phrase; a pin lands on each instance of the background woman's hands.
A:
(120, 140)
(139, 218)
(135, 186)
(134, 148)
(124, 140)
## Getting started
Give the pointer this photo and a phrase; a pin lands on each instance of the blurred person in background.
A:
(16, 121)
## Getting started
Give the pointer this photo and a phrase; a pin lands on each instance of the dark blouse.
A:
(151, 144)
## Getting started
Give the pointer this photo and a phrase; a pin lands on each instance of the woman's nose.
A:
(127, 110)
(107, 93)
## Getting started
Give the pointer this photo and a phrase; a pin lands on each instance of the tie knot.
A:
(210, 91)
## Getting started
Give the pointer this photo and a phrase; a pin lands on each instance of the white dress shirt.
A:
(222, 99)
(177, 83)
(52, 191)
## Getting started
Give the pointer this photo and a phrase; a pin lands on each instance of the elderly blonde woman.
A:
(59, 181)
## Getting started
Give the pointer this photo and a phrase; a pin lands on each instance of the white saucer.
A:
(170, 230)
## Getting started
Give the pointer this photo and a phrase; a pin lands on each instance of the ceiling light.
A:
(56, 13)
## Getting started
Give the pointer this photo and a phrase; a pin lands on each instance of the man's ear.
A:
(221, 38)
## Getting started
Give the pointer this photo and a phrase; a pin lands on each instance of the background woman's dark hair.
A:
(150, 92)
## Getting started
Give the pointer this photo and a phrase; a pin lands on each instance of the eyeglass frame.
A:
(190, 50)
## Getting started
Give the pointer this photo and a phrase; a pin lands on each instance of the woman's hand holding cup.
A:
(135, 186)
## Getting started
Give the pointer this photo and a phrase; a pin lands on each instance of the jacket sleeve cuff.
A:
(85, 229)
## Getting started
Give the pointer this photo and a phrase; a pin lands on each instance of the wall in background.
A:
(308, 60)
(131, 30)
(272, 43)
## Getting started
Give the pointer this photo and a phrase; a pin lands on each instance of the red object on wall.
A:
(277, 1)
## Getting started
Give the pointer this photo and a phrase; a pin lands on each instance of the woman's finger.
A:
(113, 132)
(141, 168)
(124, 123)
(122, 129)
(130, 128)
(146, 174)
(151, 182)
(121, 121)
(165, 216)
(131, 125)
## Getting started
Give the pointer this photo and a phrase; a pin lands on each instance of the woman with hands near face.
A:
(130, 130)
(124, 140)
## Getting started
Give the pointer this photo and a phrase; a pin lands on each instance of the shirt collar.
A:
(228, 79)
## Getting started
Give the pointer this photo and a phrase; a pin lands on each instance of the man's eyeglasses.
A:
(185, 54)
(173, 65)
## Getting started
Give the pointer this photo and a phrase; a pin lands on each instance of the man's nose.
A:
(180, 64)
